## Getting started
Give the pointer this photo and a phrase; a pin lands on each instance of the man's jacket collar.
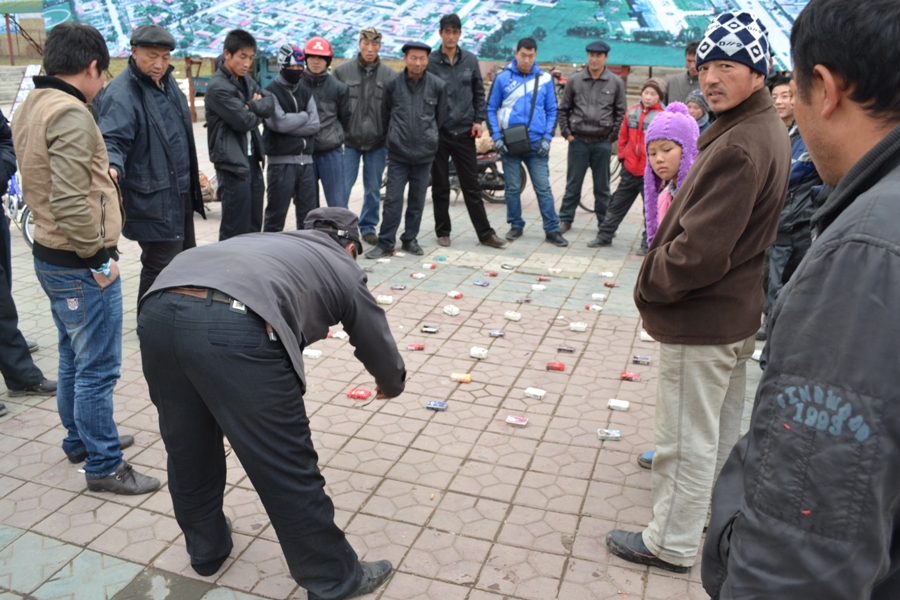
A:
(439, 52)
(758, 101)
(143, 77)
(362, 64)
(55, 83)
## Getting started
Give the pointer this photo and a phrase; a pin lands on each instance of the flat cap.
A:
(415, 46)
(152, 35)
(598, 46)
(371, 34)
(344, 222)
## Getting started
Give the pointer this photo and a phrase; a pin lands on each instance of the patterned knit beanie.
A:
(739, 37)
(289, 56)
(696, 96)
(676, 124)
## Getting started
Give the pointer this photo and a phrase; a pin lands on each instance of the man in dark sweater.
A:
(222, 333)
(414, 110)
(290, 140)
(699, 290)
(235, 108)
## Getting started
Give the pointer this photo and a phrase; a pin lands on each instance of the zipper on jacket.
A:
(103, 216)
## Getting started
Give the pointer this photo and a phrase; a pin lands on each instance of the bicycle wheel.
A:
(615, 174)
(493, 179)
(28, 227)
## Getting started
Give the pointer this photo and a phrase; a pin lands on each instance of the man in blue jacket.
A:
(510, 105)
(146, 125)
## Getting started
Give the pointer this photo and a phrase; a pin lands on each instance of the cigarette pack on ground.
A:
(615, 404)
(525, 300)
(543, 278)
(415, 346)
(398, 254)
(629, 376)
(451, 310)
(461, 377)
(555, 366)
(536, 393)
(640, 360)
(554, 270)
(338, 335)
(312, 353)
(611, 284)
(491, 273)
(359, 394)
(538, 287)
(482, 283)
(385, 299)
(566, 349)
(429, 329)
(646, 337)
(507, 266)
(598, 296)
(436, 405)
(440, 258)
(577, 326)
(477, 352)
(609, 434)
(593, 307)
(383, 260)
(512, 315)
(455, 295)
(517, 421)
(398, 286)
(497, 332)
(429, 266)
(606, 274)
(417, 275)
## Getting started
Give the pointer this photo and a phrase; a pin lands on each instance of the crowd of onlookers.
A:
(762, 193)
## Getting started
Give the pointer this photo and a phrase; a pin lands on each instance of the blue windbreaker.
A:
(510, 102)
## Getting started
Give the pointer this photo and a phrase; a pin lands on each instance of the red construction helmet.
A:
(318, 46)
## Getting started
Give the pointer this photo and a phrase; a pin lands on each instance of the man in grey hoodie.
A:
(290, 139)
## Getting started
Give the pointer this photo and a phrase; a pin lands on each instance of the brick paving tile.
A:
(30, 560)
(31, 503)
(403, 501)
(447, 557)
(403, 586)
(489, 481)
(425, 468)
(262, 570)
(81, 520)
(587, 580)
(469, 516)
(539, 530)
(139, 536)
(90, 576)
(375, 538)
(154, 582)
(175, 558)
(551, 492)
(522, 573)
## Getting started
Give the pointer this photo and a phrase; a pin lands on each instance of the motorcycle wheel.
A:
(28, 227)
(615, 174)
(498, 196)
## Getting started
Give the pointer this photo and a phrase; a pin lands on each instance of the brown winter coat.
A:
(702, 280)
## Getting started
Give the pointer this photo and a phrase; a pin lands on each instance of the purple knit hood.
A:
(676, 124)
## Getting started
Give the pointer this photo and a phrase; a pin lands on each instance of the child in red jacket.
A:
(633, 157)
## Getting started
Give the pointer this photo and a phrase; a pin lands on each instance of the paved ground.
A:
(463, 504)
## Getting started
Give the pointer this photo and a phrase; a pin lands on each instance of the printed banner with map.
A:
(640, 32)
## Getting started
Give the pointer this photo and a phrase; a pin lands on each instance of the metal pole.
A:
(12, 59)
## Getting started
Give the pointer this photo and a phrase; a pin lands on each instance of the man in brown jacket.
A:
(78, 218)
(700, 290)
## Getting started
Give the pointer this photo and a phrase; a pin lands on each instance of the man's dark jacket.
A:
(138, 146)
(366, 86)
(230, 114)
(807, 506)
(593, 109)
(292, 99)
(301, 283)
(464, 88)
(333, 105)
(7, 155)
(412, 115)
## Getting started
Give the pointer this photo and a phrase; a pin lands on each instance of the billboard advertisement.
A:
(640, 32)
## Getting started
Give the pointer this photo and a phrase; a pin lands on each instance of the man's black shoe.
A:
(761, 333)
(413, 248)
(45, 388)
(379, 252)
(370, 238)
(125, 441)
(629, 545)
(514, 233)
(564, 226)
(125, 481)
(599, 241)
(642, 251)
(373, 575)
(32, 346)
(557, 239)
(3, 409)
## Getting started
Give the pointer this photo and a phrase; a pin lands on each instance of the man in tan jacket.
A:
(78, 217)
(700, 289)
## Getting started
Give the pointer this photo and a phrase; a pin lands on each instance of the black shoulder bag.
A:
(516, 138)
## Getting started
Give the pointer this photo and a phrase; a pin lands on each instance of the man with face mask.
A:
(290, 139)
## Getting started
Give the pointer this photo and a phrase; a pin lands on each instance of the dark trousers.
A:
(212, 371)
(630, 186)
(399, 174)
(16, 364)
(286, 182)
(461, 148)
(242, 202)
(156, 256)
(581, 156)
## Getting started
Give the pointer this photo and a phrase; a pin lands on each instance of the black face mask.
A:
(291, 76)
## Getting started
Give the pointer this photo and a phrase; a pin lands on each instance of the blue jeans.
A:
(399, 174)
(581, 156)
(373, 171)
(539, 169)
(89, 321)
(329, 169)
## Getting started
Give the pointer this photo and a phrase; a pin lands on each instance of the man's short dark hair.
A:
(451, 21)
(72, 47)
(778, 79)
(527, 43)
(858, 42)
(692, 48)
(237, 40)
